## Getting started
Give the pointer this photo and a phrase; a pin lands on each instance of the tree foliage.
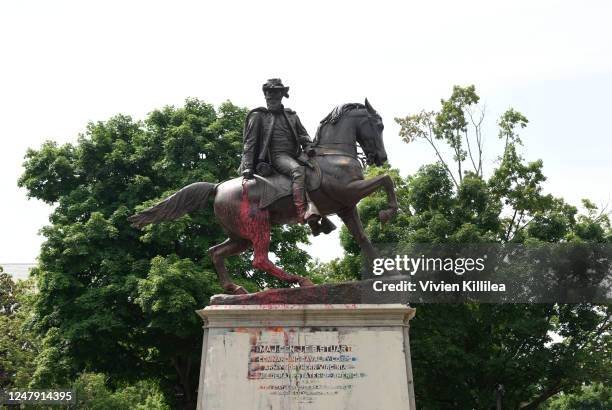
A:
(21, 360)
(458, 124)
(592, 397)
(9, 303)
(18, 347)
(116, 300)
(93, 394)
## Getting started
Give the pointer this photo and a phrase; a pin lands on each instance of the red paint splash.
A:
(254, 222)
(255, 225)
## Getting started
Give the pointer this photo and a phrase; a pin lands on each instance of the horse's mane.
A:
(338, 111)
(335, 115)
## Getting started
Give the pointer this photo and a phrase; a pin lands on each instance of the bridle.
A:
(369, 158)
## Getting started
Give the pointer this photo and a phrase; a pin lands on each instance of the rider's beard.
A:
(274, 106)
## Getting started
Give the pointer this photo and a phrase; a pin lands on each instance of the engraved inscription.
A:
(304, 371)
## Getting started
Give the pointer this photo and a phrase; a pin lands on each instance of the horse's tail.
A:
(188, 199)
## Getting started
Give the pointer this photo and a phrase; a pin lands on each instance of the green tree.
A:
(8, 294)
(93, 394)
(592, 397)
(461, 352)
(18, 347)
(116, 300)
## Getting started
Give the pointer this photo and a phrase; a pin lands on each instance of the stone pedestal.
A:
(286, 357)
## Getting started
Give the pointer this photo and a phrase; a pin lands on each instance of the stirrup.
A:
(312, 213)
(326, 225)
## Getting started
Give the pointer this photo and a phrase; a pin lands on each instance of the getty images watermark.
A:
(494, 273)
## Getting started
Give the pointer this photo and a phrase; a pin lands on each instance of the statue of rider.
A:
(274, 136)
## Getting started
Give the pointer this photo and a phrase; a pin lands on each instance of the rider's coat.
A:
(283, 130)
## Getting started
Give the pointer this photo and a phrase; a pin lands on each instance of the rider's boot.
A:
(306, 209)
(300, 205)
(299, 199)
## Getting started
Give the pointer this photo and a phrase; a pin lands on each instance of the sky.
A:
(65, 63)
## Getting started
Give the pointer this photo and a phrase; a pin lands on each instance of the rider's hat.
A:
(275, 83)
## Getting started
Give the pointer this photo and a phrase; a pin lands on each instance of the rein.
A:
(326, 149)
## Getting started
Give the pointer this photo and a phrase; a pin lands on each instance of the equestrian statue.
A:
(285, 179)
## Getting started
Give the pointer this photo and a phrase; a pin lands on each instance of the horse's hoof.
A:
(386, 215)
(240, 291)
(234, 289)
(305, 283)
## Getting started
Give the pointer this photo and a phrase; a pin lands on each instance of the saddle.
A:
(279, 185)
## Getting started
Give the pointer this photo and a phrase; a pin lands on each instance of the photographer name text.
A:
(431, 286)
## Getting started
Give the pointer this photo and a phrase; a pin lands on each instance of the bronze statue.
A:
(247, 207)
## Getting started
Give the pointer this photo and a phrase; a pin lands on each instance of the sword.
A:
(267, 181)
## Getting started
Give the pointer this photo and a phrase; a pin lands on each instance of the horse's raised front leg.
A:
(357, 190)
(350, 217)
(218, 253)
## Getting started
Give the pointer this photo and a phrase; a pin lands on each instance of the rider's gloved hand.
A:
(310, 151)
(247, 174)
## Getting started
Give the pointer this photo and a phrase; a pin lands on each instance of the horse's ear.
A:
(369, 107)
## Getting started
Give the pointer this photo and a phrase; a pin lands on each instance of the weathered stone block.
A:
(285, 357)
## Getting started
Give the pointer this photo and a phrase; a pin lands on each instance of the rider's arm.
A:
(251, 134)
(304, 138)
(302, 134)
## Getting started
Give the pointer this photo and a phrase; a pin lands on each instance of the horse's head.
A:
(370, 136)
(353, 123)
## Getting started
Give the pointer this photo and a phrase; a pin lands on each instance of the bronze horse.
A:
(236, 202)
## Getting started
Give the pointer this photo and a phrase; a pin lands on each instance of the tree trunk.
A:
(546, 394)
(183, 370)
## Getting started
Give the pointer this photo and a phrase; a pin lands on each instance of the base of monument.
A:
(285, 357)
(353, 292)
